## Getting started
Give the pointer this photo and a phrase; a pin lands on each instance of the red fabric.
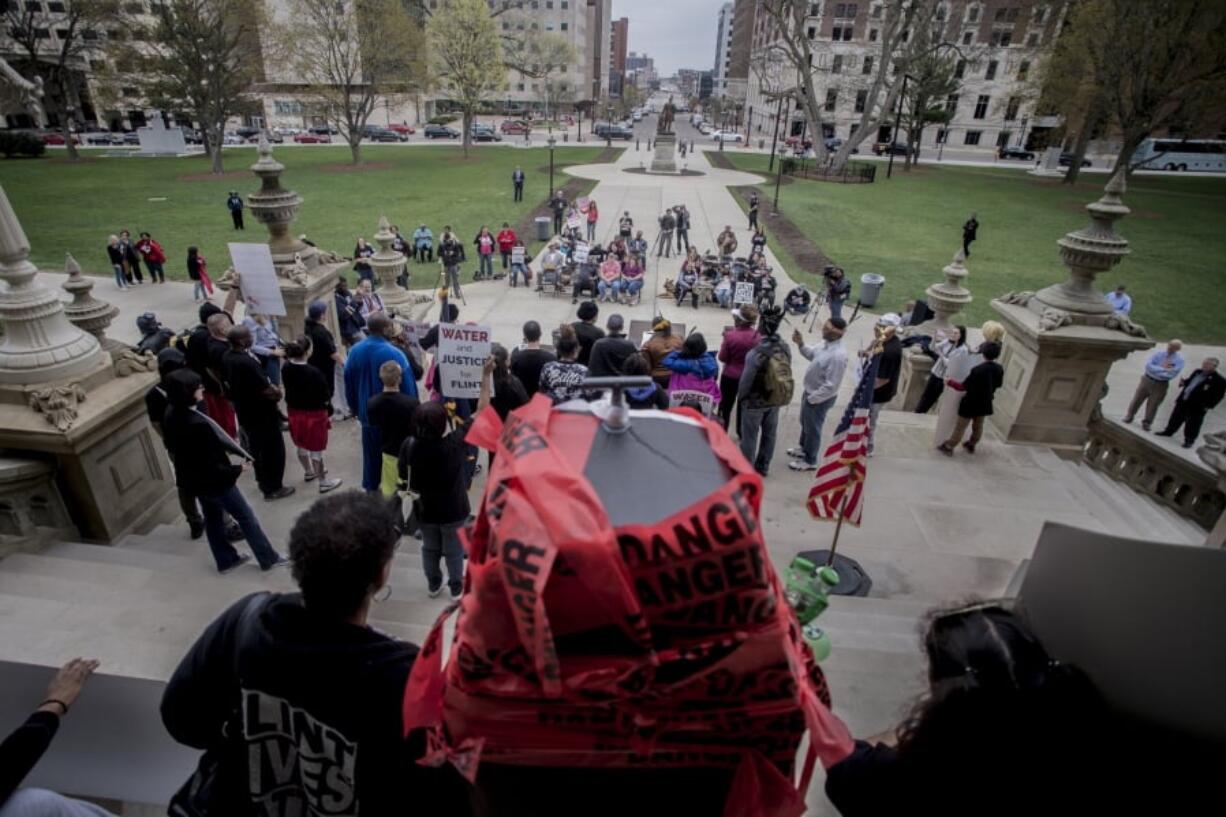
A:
(309, 429)
(592, 215)
(150, 250)
(506, 240)
(222, 412)
(709, 668)
(204, 276)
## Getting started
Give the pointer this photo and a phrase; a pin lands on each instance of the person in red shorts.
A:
(307, 398)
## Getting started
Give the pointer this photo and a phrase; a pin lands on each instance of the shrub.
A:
(445, 119)
(21, 144)
(788, 166)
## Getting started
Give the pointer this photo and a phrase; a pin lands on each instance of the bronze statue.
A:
(665, 124)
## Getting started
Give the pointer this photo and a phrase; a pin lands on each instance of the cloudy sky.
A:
(677, 33)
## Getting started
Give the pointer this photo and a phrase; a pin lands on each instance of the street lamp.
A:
(551, 142)
(897, 123)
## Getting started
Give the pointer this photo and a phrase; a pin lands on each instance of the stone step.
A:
(1140, 516)
(884, 625)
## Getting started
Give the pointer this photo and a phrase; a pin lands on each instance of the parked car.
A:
(309, 138)
(891, 148)
(1015, 153)
(726, 136)
(233, 139)
(192, 136)
(56, 138)
(440, 132)
(483, 133)
(705, 128)
(103, 138)
(637, 116)
(617, 132)
(379, 134)
(247, 131)
(273, 137)
(1066, 160)
(794, 141)
(514, 126)
(402, 129)
(325, 130)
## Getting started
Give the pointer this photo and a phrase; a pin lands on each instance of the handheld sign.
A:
(517, 255)
(462, 352)
(574, 222)
(679, 397)
(744, 293)
(580, 253)
(261, 292)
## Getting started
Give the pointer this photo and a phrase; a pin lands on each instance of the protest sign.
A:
(574, 222)
(261, 292)
(517, 255)
(580, 253)
(678, 397)
(462, 351)
(744, 293)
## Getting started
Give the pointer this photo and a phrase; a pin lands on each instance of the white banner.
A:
(462, 352)
(517, 255)
(744, 293)
(261, 293)
(705, 401)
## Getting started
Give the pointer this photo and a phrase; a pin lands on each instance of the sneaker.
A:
(280, 562)
(796, 451)
(308, 476)
(195, 528)
(234, 533)
(1189, 444)
(1145, 426)
(239, 562)
(329, 485)
(945, 449)
(433, 592)
(970, 447)
(280, 493)
(455, 594)
(801, 465)
(1126, 420)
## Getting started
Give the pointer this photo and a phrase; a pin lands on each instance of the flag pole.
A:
(838, 526)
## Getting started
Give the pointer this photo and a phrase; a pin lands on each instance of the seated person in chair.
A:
(686, 282)
(551, 266)
(610, 283)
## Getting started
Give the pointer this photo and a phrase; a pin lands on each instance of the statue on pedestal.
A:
(665, 125)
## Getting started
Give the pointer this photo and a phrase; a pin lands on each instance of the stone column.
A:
(40, 344)
(1063, 340)
(946, 299)
(389, 265)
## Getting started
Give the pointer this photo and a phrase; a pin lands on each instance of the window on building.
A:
(1000, 14)
(981, 106)
(565, 5)
(97, 65)
(42, 33)
(960, 69)
(1002, 139)
(1001, 38)
(906, 35)
(872, 35)
(844, 10)
(951, 103)
(812, 32)
(1032, 39)
(972, 137)
(940, 13)
(861, 101)
(520, 87)
(968, 37)
(1023, 70)
(1012, 13)
(836, 65)
(134, 8)
(89, 35)
(942, 136)
(868, 65)
(31, 5)
(991, 72)
(815, 9)
(129, 92)
(1011, 108)
(972, 14)
(548, 4)
(832, 99)
(62, 33)
(1040, 14)
(876, 11)
(55, 8)
(565, 26)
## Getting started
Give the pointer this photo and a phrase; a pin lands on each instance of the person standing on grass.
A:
(451, 255)
(593, 215)
(308, 399)
(235, 205)
(485, 244)
(824, 374)
(557, 205)
(506, 242)
(115, 255)
(391, 411)
(970, 231)
(517, 183)
(256, 401)
(753, 210)
(528, 360)
(1198, 392)
(981, 384)
(1161, 368)
(423, 244)
(362, 382)
(765, 387)
(154, 257)
(434, 464)
(201, 458)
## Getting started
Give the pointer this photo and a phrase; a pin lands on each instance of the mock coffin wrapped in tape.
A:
(621, 610)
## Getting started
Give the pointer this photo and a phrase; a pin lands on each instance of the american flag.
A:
(840, 477)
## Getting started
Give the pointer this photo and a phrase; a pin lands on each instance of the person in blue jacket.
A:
(698, 369)
(362, 382)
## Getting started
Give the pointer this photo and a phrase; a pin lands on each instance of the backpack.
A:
(777, 383)
(180, 340)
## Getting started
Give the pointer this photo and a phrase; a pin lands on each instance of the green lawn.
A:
(72, 208)
(909, 227)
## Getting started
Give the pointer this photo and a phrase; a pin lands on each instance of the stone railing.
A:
(1188, 488)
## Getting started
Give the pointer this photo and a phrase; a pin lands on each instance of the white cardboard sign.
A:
(744, 293)
(261, 293)
(517, 255)
(704, 400)
(574, 222)
(462, 352)
(580, 253)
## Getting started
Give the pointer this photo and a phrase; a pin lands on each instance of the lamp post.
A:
(897, 123)
(779, 169)
(775, 138)
(551, 142)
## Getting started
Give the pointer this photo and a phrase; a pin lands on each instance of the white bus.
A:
(1179, 154)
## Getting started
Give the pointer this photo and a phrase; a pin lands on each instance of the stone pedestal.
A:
(1062, 340)
(664, 160)
(157, 140)
(30, 505)
(916, 366)
(388, 265)
(947, 299)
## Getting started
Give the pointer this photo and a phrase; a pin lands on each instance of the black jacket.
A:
(1207, 394)
(23, 748)
(313, 702)
(588, 335)
(202, 465)
(249, 389)
(451, 253)
(323, 347)
(608, 355)
(981, 384)
(526, 364)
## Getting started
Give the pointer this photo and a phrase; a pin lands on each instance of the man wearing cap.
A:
(1161, 368)
(153, 336)
(587, 330)
(610, 352)
(889, 367)
(824, 374)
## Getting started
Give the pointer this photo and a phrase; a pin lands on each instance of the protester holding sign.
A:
(693, 369)
(462, 352)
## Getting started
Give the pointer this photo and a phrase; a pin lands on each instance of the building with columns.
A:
(1003, 43)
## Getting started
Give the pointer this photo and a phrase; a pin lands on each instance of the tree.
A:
(466, 56)
(79, 28)
(208, 56)
(795, 49)
(1138, 67)
(350, 55)
(932, 81)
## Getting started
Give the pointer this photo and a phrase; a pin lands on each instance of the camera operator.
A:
(838, 289)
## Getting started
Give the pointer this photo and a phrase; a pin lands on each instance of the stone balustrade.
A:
(1186, 487)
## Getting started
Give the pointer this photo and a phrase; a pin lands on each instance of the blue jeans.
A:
(272, 368)
(614, 287)
(372, 458)
(516, 271)
(765, 420)
(231, 501)
(591, 231)
(198, 292)
(443, 542)
(724, 298)
(119, 279)
(812, 415)
(487, 266)
(836, 307)
(632, 286)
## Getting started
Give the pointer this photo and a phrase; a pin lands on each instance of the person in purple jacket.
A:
(739, 341)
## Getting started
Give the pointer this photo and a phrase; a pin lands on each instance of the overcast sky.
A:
(676, 33)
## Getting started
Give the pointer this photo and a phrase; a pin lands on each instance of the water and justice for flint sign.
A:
(462, 352)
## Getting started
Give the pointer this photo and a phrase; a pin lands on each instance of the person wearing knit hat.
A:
(889, 371)
(657, 348)
(587, 330)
